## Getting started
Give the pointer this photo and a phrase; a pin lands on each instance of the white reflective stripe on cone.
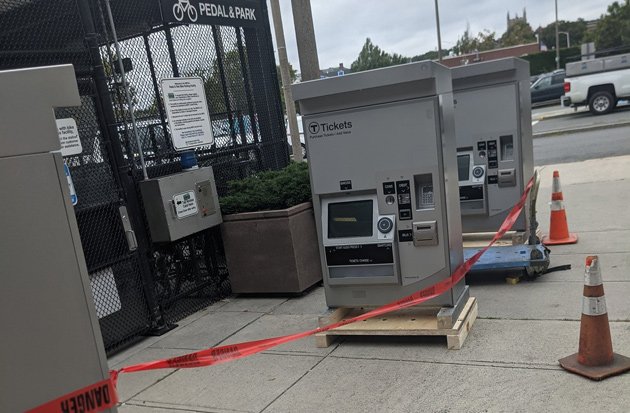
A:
(594, 306)
(555, 186)
(557, 205)
(592, 275)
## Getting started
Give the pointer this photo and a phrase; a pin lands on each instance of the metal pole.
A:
(439, 35)
(305, 36)
(130, 104)
(568, 38)
(557, 40)
(294, 132)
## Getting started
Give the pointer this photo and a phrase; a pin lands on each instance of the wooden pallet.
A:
(407, 322)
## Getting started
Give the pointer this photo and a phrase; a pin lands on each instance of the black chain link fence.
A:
(143, 291)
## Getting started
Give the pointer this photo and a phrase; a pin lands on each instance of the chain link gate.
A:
(142, 291)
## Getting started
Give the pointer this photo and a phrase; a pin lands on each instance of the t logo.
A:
(313, 127)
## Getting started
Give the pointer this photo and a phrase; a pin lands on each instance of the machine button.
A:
(389, 188)
(477, 172)
(404, 199)
(481, 146)
(385, 225)
(493, 164)
(493, 179)
(405, 235)
(402, 187)
(482, 154)
(492, 144)
(404, 214)
(390, 199)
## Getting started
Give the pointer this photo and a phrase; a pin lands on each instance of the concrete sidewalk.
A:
(508, 363)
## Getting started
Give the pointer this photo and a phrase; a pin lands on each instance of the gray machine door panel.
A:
(499, 105)
(42, 282)
(362, 132)
(372, 134)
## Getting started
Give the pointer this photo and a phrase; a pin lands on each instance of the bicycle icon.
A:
(182, 7)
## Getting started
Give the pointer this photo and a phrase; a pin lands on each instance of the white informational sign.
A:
(73, 192)
(69, 137)
(105, 292)
(185, 204)
(187, 112)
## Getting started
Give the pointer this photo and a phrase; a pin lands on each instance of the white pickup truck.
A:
(599, 83)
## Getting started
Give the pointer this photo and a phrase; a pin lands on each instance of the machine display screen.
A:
(463, 167)
(350, 219)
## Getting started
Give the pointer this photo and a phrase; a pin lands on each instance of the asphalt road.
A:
(546, 119)
(583, 145)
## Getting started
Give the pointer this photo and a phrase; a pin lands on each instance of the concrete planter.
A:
(272, 251)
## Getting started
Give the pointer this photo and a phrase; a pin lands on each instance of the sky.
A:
(408, 27)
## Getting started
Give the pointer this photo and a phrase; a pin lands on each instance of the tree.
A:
(430, 55)
(485, 40)
(519, 32)
(465, 43)
(613, 29)
(373, 57)
(576, 30)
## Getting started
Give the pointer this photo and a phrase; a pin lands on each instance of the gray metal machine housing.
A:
(181, 204)
(494, 141)
(51, 340)
(381, 150)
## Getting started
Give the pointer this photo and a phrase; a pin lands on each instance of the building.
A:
(510, 22)
(335, 71)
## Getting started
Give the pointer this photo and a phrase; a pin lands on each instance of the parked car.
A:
(599, 83)
(548, 87)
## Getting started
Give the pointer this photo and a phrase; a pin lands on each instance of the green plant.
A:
(268, 190)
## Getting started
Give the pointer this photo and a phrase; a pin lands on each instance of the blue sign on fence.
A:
(73, 193)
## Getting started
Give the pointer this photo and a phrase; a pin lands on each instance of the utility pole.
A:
(305, 36)
(557, 40)
(294, 132)
(439, 36)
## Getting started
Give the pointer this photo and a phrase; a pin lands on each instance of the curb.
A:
(557, 132)
(559, 115)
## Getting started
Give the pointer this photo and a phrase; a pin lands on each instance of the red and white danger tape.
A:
(86, 400)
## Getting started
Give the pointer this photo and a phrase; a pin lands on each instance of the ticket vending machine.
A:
(383, 173)
(494, 141)
(51, 341)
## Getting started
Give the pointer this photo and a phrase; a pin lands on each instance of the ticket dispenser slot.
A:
(425, 233)
(507, 177)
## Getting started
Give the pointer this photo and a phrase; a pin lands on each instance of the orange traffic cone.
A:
(595, 358)
(558, 228)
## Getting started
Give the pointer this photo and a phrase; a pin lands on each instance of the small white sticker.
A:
(185, 204)
(69, 137)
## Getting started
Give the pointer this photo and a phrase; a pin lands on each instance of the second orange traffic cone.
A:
(595, 358)
(558, 227)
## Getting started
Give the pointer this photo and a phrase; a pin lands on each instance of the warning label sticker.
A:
(185, 204)
(69, 137)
